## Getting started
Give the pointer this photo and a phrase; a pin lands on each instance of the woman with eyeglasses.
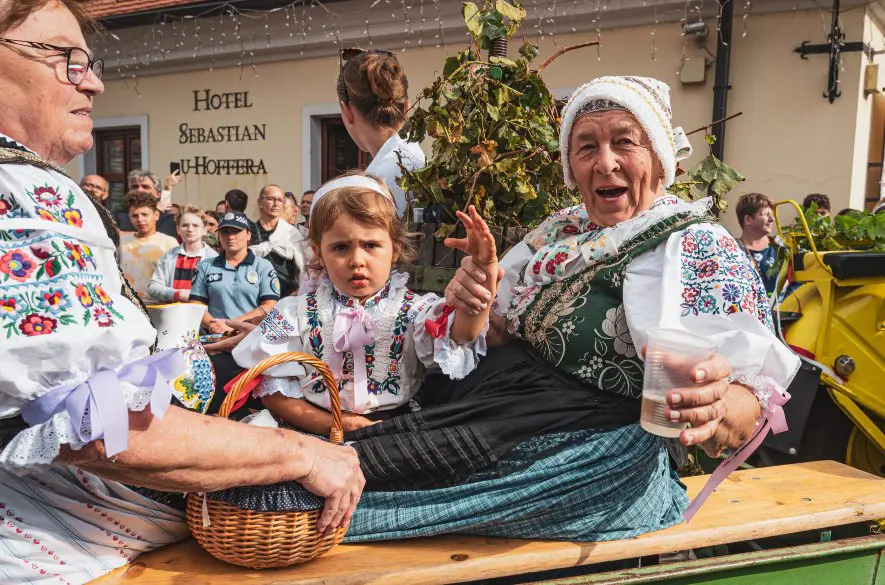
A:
(373, 94)
(84, 405)
(284, 244)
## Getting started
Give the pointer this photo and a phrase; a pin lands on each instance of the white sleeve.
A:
(455, 361)
(63, 316)
(700, 281)
(282, 331)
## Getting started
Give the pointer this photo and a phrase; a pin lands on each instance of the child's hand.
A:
(352, 422)
(479, 243)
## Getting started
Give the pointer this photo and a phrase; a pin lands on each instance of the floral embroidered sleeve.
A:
(455, 361)
(279, 332)
(700, 281)
(62, 313)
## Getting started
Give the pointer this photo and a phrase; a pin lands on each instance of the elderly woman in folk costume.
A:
(543, 440)
(83, 403)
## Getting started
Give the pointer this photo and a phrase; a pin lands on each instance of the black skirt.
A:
(465, 425)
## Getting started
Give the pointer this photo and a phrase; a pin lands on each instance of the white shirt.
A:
(385, 166)
(399, 353)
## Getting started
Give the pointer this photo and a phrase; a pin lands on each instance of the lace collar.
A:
(395, 282)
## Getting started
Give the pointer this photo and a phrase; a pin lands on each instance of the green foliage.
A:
(857, 230)
(495, 131)
(710, 177)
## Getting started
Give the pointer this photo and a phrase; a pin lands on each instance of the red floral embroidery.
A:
(5, 207)
(708, 268)
(17, 265)
(690, 295)
(560, 258)
(689, 245)
(34, 325)
(550, 267)
(47, 196)
(570, 229)
(84, 295)
(102, 317)
(536, 267)
(76, 254)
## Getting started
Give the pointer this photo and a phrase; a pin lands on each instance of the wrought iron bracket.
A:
(806, 49)
(835, 46)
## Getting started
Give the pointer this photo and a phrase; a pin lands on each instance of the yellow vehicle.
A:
(835, 320)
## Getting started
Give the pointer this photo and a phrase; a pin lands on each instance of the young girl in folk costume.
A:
(376, 335)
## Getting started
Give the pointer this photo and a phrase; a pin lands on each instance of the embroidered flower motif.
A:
(17, 265)
(5, 207)
(595, 363)
(705, 238)
(47, 196)
(103, 297)
(615, 326)
(570, 229)
(9, 308)
(728, 244)
(45, 214)
(708, 268)
(374, 388)
(568, 328)
(54, 301)
(102, 317)
(731, 292)
(689, 246)
(559, 258)
(536, 267)
(550, 266)
(75, 254)
(585, 372)
(73, 217)
(34, 325)
(84, 295)
(707, 304)
(690, 295)
(41, 252)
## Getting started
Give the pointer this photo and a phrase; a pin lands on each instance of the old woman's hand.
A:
(466, 291)
(335, 475)
(705, 406)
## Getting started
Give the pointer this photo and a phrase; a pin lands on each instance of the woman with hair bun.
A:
(373, 94)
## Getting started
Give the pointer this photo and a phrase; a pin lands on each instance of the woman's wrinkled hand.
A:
(466, 291)
(335, 475)
(704, 406)
(240, 328)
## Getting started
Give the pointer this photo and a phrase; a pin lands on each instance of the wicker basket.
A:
(263, 540)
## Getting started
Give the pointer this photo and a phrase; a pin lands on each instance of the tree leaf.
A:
(470, 11)
(529, 51)
(514, 13)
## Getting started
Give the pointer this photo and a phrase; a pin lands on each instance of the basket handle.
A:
(337, 434)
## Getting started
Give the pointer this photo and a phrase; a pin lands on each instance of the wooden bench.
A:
(750, 504)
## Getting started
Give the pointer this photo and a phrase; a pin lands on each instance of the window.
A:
(339, 152)
(118, 151)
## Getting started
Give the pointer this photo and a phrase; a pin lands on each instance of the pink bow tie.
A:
(354, 329)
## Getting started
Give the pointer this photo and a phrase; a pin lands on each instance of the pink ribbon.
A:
(354, 329)
(774, 420)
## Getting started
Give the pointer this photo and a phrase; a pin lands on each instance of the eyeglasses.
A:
(345, 55)
(79, 61)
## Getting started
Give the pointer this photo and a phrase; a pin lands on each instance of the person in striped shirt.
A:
(176, 269)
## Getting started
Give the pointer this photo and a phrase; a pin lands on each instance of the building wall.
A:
(789, 141)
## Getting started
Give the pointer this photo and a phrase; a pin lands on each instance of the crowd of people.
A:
(507, 407)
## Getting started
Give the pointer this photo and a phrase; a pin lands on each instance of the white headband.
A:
(351, 181)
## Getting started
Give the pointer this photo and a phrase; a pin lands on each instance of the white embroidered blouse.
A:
(699, 280)
(62, 314)
(378, 350)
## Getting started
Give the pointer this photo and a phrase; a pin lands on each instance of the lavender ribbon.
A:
(97, 407)
(775, 421)
(354, 329)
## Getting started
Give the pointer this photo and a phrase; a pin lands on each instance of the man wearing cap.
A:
(236, 284)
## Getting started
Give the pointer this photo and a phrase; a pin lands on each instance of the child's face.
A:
(357, 257)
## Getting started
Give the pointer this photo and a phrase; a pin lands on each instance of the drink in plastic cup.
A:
(418, 215)
(670, 358)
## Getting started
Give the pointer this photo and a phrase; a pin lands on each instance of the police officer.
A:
(236, 284)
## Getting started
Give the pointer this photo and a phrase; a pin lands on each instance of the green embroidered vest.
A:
(578, 324)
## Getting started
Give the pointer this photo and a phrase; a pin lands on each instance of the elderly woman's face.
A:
(614, 166)
(40, 107)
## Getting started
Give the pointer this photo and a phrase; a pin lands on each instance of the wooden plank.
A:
(750, 504)
(428, 244)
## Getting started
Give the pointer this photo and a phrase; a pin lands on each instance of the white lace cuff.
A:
(34, 449)
(456, 361)
(762, 387)
(288, 387)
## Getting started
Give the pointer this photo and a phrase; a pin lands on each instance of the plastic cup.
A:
(670, 358)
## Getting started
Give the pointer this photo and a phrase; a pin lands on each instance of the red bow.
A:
(244, 396)
(437, 327)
